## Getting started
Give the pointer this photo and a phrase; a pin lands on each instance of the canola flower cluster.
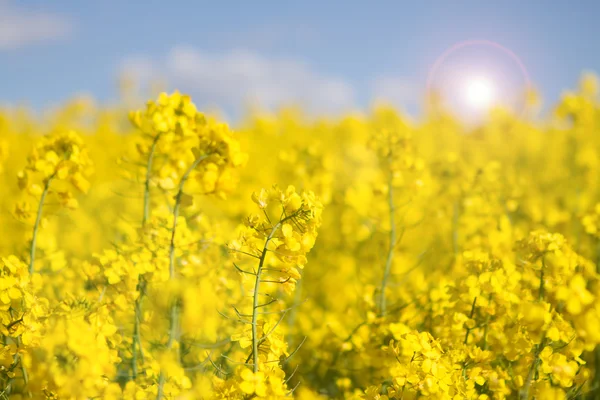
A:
(158, 254)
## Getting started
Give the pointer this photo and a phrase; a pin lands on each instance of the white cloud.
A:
(19, 27)
(236, 78)
(400, 92)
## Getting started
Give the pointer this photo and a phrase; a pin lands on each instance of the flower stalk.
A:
(36, 226)
(173, 323)
(392, 243)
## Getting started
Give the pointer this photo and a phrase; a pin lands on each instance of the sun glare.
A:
(479, 93)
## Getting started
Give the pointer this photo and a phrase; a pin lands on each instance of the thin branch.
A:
(295, 351)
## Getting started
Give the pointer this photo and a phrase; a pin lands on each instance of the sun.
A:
(479, 93)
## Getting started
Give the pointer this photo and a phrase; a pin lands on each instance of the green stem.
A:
(17, 360)
(392, 238)
(541, 290)
(468, 331)
(524, 393)
(23, 370)
(173, 315)
(36, 226)
(255, 299)
(137, 339)
(255, 295)
(176, 209)
(147, 181)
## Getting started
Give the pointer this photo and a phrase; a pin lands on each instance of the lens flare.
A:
(466, 77)
(479, 93)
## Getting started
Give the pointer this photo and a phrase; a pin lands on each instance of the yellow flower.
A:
(253, 383)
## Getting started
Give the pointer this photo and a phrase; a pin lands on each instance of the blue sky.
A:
(324, 55)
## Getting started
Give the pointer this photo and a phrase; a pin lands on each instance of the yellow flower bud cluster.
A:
(173, 114)
(61, 156)
(175, 137)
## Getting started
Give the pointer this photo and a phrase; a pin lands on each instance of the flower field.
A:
(158, 253)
